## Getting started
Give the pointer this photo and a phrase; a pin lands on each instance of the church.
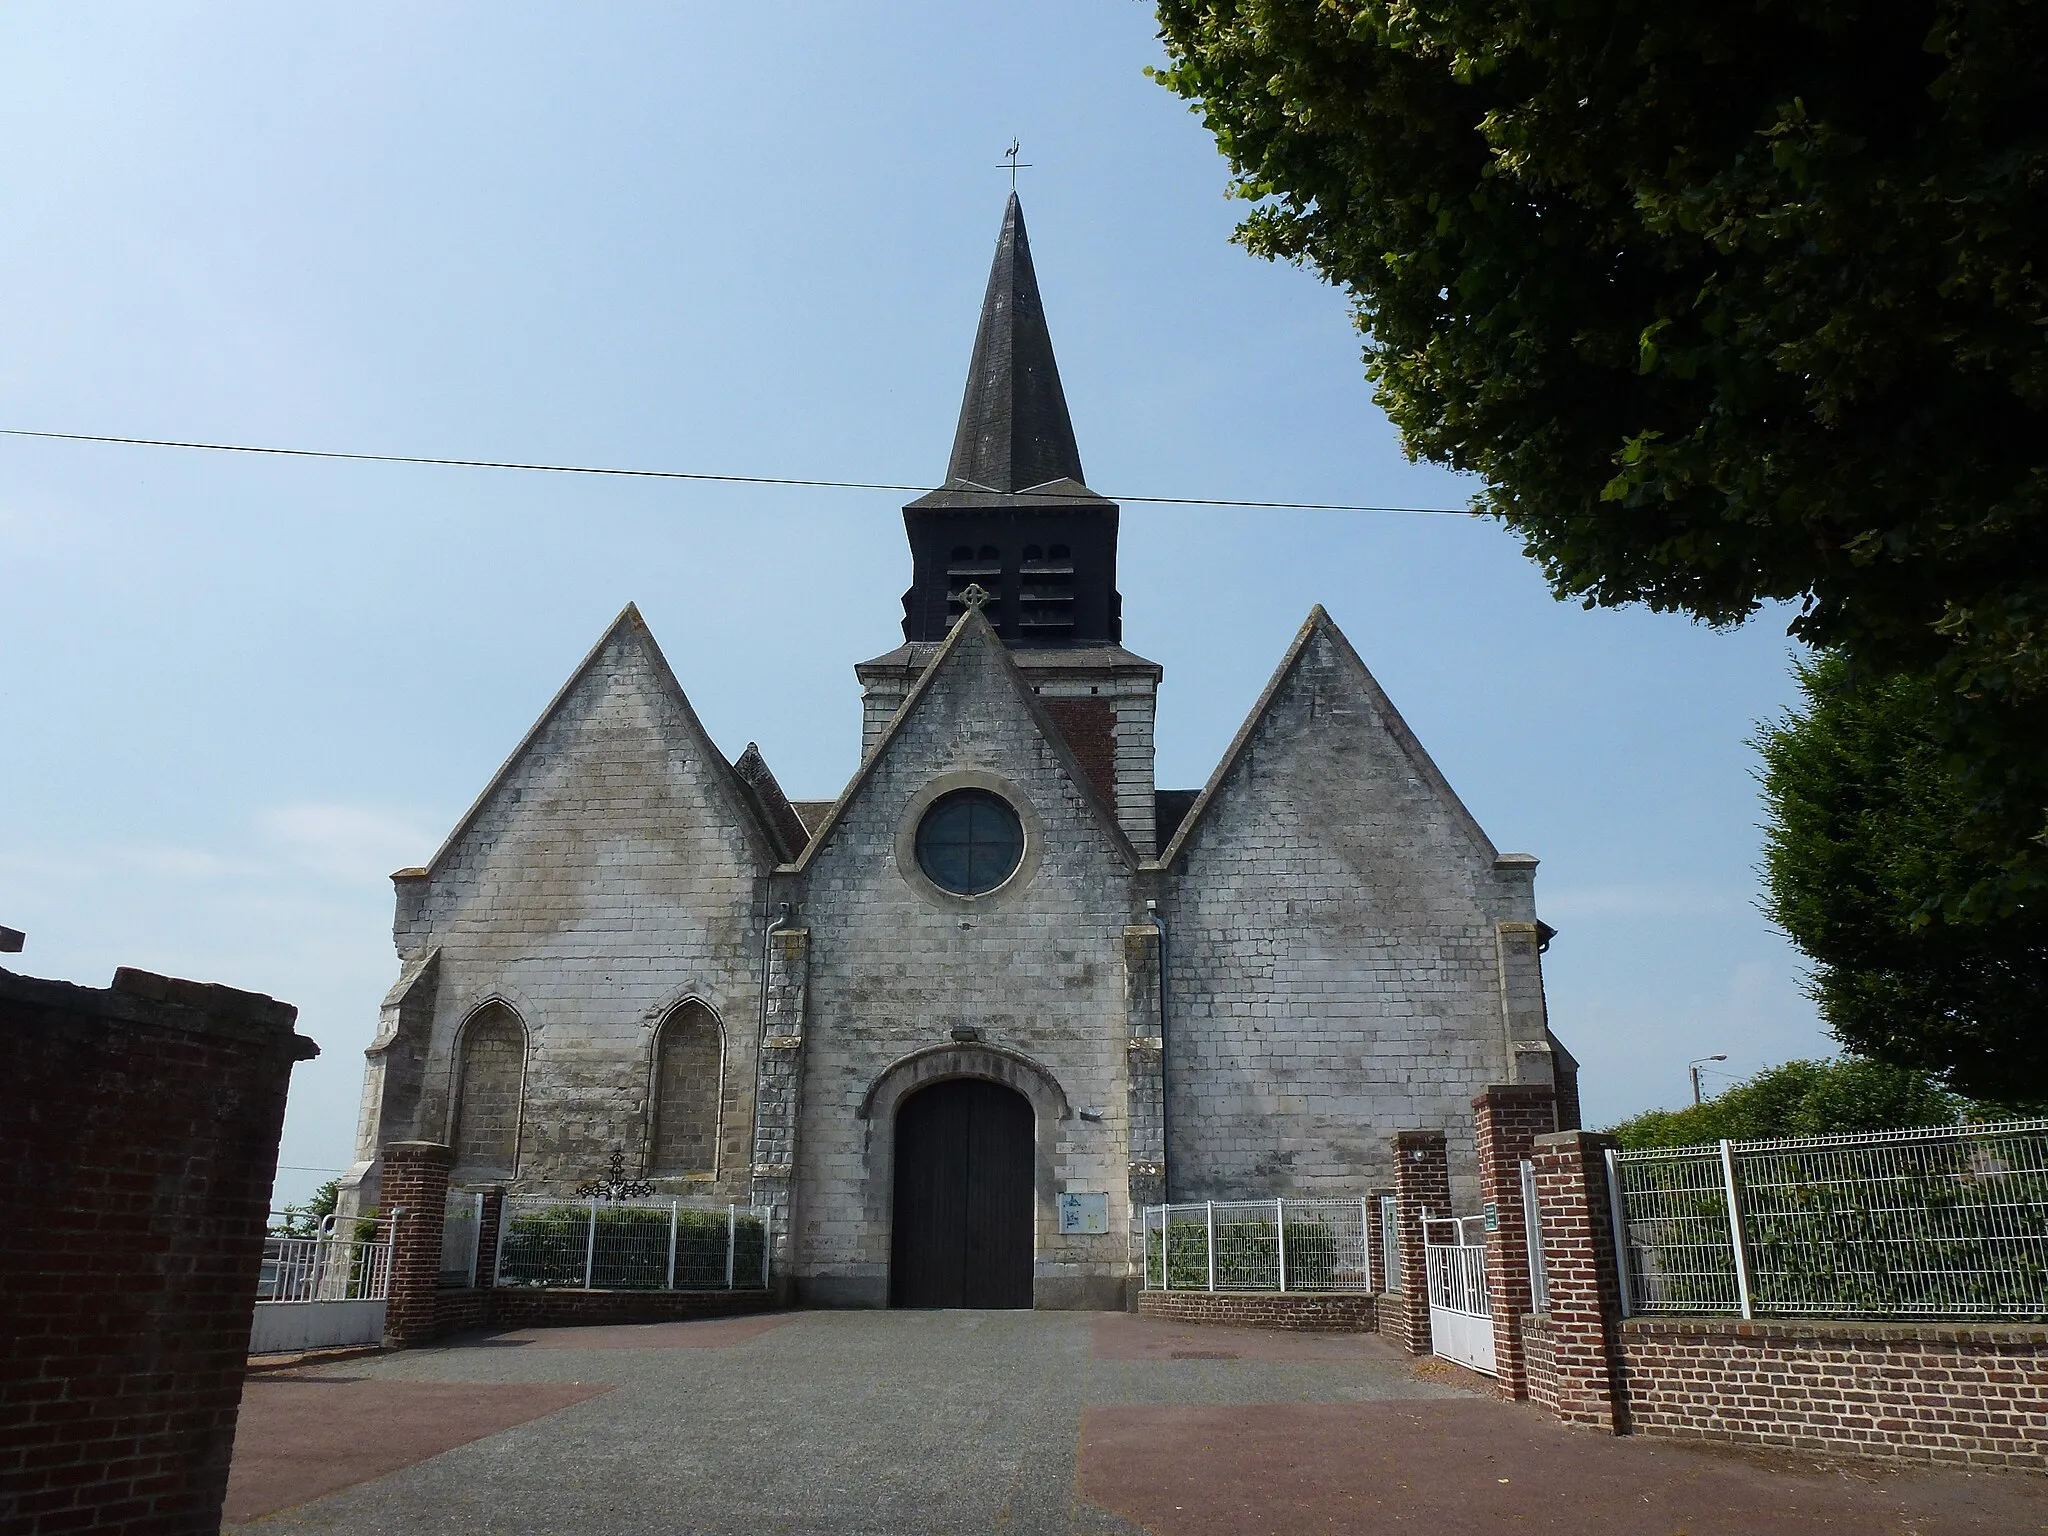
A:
(959, 1026)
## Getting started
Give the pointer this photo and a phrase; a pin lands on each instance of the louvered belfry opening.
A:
(1015, 517)
(962, 1227)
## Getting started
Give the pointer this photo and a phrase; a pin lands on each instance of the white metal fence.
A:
(633, 1245)
(1949, 1221)
(1258, 1245)
(333, 1266)
(1455, 1250)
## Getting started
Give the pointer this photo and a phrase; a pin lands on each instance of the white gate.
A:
(1460, 1313)
(320, 1291)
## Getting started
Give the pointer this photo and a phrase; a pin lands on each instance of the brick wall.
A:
(138, 1136)
(1968, 1394)
(1422, 1188)
(1578, 1376)
(1946, 1392)
(538, 1307)
(1539, 1361)
(1509, 1119)
(416, 1201)
(1262, 1309)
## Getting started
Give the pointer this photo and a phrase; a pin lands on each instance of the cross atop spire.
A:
(1014, 431)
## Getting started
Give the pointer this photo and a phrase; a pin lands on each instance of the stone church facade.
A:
(1003, 966)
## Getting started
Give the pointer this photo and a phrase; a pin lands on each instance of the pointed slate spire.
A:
(1014, 430)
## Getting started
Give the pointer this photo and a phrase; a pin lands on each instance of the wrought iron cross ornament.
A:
(615, 1185)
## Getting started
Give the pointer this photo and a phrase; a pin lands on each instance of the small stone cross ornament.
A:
(973, 596)
(615, 1185)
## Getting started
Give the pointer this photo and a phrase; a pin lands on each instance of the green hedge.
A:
(547, 1247)
(1247, 1255)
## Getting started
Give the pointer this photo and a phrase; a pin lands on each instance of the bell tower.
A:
(1014, 514)
(1016, 518)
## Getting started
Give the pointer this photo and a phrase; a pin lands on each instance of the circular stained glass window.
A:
(969, 842)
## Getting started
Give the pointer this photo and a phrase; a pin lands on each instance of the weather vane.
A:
(1012, 164)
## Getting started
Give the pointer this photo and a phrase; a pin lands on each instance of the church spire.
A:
(1014, 517)
(1014, 430)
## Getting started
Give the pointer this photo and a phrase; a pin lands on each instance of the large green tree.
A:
(1801, 1098)
(1862, 811)
(1727, 301)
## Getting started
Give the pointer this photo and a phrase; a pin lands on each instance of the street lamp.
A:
(1694, 1068)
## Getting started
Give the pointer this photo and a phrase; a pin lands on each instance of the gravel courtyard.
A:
(886, 1422)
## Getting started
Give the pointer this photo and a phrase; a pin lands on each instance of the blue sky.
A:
(236, 693)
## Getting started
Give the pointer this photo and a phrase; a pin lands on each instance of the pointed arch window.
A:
(689, 1064)
(490, 1089)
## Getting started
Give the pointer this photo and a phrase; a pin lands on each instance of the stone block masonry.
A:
(139, 1135)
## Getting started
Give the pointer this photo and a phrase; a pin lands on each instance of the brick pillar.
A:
(1585, 1297)
(488, 1222)
(1508, 1119)
(138, 1139)
(415, 1198)
(1422, 1188)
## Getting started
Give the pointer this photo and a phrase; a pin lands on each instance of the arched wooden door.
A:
(962, 1231)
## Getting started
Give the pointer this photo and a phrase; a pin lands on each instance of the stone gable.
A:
(1332, 955)
(897, 966)
(608, 874)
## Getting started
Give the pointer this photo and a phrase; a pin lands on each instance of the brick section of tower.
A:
(1090, 728)
(139, 1141)
(1508, 1120)
(416, 1201)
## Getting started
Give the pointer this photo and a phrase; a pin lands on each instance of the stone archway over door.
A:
(961, 1232)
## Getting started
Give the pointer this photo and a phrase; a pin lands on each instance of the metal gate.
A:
(321, 1290)
(1460, 1314)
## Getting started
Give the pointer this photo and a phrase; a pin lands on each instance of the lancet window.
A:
(688, 1068)
(490, 1087)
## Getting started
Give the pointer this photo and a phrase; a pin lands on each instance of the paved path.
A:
(888, 1422)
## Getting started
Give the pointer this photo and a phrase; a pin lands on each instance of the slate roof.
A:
(1014, 430)
(776, 813)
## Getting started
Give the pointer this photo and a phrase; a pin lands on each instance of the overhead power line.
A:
(683, 474)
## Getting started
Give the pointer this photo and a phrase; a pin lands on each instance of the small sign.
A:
(1084, 1213)
(1492, 1213)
